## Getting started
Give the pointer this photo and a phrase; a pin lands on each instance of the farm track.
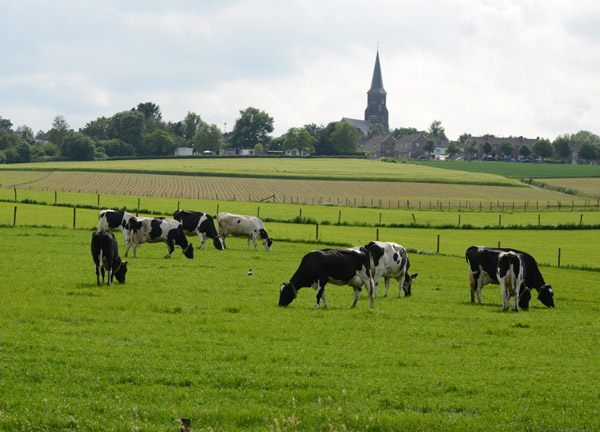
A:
(369, 193)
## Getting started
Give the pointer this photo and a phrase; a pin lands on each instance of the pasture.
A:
(201, 339)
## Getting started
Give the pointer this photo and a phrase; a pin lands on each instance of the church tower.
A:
(376, 111)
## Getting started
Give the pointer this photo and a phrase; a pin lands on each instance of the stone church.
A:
(376, 111)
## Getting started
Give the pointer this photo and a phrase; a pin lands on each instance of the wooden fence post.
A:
(339, 217)
(258, 212)
(74, 216)
(15, 193)
(317, 232)
(414, 220)
(138, 209)
(377, 234)
(15, 217)
(559, 257)
(499, 220)
(55, 197)
(580, 219)
(438, 244)
(217, 208)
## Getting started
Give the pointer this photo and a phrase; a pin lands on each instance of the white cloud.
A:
(502, 66)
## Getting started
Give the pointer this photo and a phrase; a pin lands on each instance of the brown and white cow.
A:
(243, 226)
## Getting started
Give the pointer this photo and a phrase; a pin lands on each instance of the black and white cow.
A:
(483, 264)
(337, 266)
(243, 226)
(114, 220)
(105, 252)
(200, 224)
(155, 230)
(390, 261)
(510, 273)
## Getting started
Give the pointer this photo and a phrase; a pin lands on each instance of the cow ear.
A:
(414, 276)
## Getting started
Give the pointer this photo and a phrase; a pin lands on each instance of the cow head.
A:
(524, 297)
(218, 242)
(287, 293)
(546, 295)
(266, 240)
(188, 251)
(120, 271)
(408, 283)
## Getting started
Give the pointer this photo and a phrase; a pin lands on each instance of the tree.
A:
(77, 146)
(542, 148)
(252, 127)
(208, 137)
(524, 151)
(150, 110)
(473, 150)
(399, 133)
(99, 129)
(507, 149)
(323, 146)
(588, 152)
(59, 131)
(487, 148)
(562, 146)
(6, 124)
(377, 130)
(437, 130)
(452, 150)
(19, 152)
(300, 140)
(191, 124)
(116, 147)
(25, 132)
(129, 126)
(158, 143)
(429, 146)
(344, 138)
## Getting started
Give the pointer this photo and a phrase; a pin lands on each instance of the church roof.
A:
(361, 125)
(377, 81)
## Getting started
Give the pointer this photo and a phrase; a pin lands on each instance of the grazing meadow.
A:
(204, 340)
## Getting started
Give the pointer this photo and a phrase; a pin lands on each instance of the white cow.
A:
(114, 220)
(390, 261)
(243, 226)
(158, 229)
(510, 274)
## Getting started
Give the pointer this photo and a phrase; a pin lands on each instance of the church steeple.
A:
(376, 111)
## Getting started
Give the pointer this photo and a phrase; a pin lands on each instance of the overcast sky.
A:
(506, 67)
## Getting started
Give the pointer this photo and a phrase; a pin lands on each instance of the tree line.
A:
(141, 132)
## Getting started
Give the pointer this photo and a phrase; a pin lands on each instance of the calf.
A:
(338, 266)
(390, 261)
(200, 224)
(114, 220)
(510, 275)
(244, 226)
(158, 229)
(105, 252)
(483, 263)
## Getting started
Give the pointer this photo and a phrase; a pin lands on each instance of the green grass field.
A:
(201, 339)
(516, 170)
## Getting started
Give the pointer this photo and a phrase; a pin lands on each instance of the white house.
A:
(184, 151)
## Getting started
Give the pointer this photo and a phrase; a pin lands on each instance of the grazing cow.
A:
(510, 275)
(105, 251)
(200, 224)
(338, 266)
(158, 229)
(244, 226)
(483, 262)
(114, 220)
(389, 260)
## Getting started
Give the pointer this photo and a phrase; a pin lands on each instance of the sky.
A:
(505, 67)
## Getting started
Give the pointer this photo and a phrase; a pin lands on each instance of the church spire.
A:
(377, 81)
(376, 112)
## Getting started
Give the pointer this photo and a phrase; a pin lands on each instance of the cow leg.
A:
(472, 284)
(171, 247)
(125, 237)
(370, 291)
(97, 275)
(356, 294)
(505, 295)
(400, 284)
(253, 237)
(202, 240)
(516, 297)
(110, 277)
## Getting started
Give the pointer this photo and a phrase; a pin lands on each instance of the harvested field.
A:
(584, 186)
(249, 189)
